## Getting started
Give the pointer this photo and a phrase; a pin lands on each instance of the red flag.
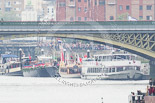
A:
(62, 56)
(80, 59)
(85, 56)
(29, 59)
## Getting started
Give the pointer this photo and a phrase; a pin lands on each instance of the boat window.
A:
(100, 70)
(119, 69)
(63, 70)
(96, 59)
(105, 70)
(138, 68)
(91, 70)
(132, 57)
(113, 69)
(88, 70)
(129, 68)
(100, 58)
(109, 70)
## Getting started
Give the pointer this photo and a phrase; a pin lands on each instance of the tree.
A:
(123, 16)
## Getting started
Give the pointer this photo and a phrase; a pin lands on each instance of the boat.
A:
(42, 67)
(112, 67)
(70, 70)
(10, 65)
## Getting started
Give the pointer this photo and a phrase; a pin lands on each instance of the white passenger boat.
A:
(112, 66)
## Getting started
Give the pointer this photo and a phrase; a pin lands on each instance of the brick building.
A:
(105, 10)
(11, 9)
(61, 10)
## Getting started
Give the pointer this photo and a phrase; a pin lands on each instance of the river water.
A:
(60, 90)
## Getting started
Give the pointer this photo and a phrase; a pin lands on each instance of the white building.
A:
(48, 11)
(29, 15)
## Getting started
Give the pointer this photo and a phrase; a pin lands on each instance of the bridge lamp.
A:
(20, 57)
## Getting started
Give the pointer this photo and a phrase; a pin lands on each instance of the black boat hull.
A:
(41, 72)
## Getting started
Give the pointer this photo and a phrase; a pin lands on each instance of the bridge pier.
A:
(152, 68)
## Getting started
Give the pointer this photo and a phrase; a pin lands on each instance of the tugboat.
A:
(70, 68)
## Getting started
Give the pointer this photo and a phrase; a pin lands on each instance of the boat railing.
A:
(136, 98)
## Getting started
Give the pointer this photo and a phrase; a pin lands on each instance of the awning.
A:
(9, 56)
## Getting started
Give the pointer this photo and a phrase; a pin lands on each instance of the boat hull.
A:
(12, 72)
(40, 72)
(17, 73)
(124, 75)
(64, 75)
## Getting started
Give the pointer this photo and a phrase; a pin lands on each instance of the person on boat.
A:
(150, 82)
(150, 91)
(154, 82)
(133, 97)
(153, 91)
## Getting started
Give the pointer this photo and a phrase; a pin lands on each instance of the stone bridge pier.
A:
(152, 68)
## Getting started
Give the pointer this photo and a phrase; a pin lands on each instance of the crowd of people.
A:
(151, 87)
(139, 96)
(75, 45)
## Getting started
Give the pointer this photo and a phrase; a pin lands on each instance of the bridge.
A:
(134, 36)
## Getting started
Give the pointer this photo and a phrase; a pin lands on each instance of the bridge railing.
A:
(49, 23)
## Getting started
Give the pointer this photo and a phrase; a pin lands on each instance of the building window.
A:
(85, 0)
(79, 9)
(0, 9)
(79, 18)
(140, 7)
(127, 7)
(120, 7)
(85, 18)
(85, 9)
(149, 7)
(79, 0)
(71, 19)
(62, 4)
(48, 11)
(7, 9)
(9, 3)
(140, 17)
(148, 17)
(52, 10)
(111, 18)
(95, 2)
(101, 2)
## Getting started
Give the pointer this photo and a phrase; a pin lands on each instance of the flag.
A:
(80, 60)
(62, 56)
(85, 56)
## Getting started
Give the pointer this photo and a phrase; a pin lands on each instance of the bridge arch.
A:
(145, 49)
